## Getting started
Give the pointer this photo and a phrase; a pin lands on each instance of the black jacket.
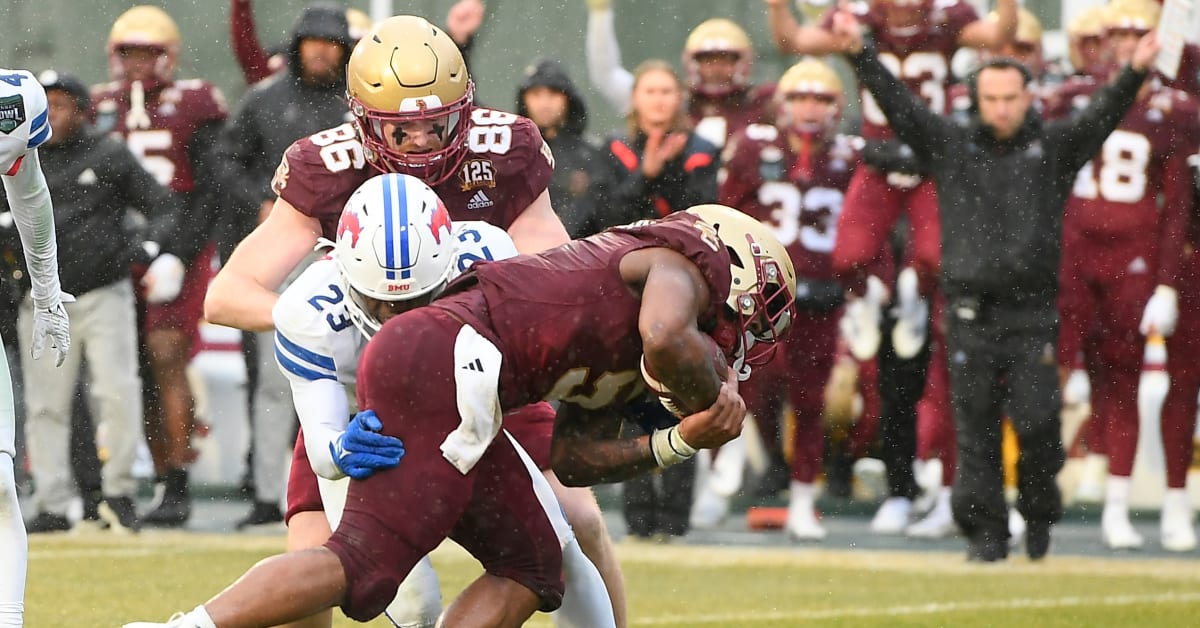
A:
(272, 115)
(578, 182)
(93, 179)
(689, 179)
(1001, 202)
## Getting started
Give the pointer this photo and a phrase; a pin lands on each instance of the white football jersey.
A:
(317, 346)
(24, 119)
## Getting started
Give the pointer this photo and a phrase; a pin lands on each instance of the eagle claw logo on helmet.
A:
(762, 279)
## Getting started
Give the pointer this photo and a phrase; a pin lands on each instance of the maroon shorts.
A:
(397, 516)
(187, 309)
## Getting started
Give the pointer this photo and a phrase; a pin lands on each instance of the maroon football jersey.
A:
(921, 61)
(160, 138)
(1187, 77)
(794, 188)
(564, 319)
(718, 119)
(507, 167)
(1116, 193)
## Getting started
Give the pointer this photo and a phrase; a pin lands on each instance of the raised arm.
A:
(1084, 134)
(991, 35)
(613, 81)
(914, 123)
(247, 48)
(792, 37)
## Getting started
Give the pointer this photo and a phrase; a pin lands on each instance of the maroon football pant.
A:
(1103, 290)
(1179, 410)
(871, 209)
(800, 370)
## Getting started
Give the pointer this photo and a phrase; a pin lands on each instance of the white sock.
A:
(1177, 499)
(14, 547)
(200, 618)
(1116, 496)
(418, 601)
(585, 601)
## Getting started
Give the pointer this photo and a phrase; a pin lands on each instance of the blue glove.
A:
(361, 449)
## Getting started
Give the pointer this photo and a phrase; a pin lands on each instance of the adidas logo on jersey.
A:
(477, 365)
(479, 201)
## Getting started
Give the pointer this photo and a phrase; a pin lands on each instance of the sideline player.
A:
(412, 99)
(322, 322)
(24, 122)
(792, 177)
(170, 125)
(557, 325)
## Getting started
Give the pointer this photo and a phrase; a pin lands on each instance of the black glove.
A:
(892, 156)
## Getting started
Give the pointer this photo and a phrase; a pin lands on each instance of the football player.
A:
(322, 322)
(24, 120)
(1122, 255)
(413, 102)
(576, 324)
(717, 58)
(1085, 42)
(793, 177)
(170, 125)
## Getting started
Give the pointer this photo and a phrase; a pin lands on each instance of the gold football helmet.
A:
(1084, 30)
(811, 77)
(359, 23)
(762, 292)
(1136, 15)
(405, 69)
(144, 26)
(1029, 28)
(718, 35)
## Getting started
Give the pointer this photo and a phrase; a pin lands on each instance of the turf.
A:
(103, 580)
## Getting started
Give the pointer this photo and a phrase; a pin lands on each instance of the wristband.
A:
(669, 448)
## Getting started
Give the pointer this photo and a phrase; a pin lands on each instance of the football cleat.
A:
(802, 523)
(939, 523)
(892, 516)
(1175, 527)
(1118, 531)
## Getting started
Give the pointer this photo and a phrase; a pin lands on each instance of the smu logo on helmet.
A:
(350, 223)
(440, 220)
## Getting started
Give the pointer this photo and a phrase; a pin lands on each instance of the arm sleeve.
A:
(202, 204)
(305, 358)
(925, 131)
(1084, 134)
(248, 50)
(614, 82)
(1178, 198)
(33, 213)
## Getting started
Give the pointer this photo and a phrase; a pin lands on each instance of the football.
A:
(668, 399)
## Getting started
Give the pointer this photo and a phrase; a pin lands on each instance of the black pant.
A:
(660, 502)
(901, 384)
(1003, 361)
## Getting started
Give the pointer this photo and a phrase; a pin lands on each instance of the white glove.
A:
(1078, 388)
(1162, 312)
(50, 319)
(164, 278)
(860, 320)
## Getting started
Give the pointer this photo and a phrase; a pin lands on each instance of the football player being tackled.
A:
(412, 99)
(575, 324)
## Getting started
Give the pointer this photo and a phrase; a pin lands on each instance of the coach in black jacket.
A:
(1002, 184)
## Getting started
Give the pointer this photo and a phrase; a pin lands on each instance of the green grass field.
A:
(103, 580)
